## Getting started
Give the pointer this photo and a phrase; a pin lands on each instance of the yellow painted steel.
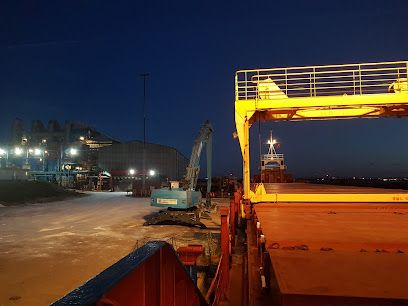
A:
(330, 198)
(317, 93)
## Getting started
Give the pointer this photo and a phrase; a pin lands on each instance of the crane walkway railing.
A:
(315, 81)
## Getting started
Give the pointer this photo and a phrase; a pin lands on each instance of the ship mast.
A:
(272, 164)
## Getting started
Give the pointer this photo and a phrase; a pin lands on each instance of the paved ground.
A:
(48, 249)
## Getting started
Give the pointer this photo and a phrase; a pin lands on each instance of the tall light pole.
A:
(144, 76)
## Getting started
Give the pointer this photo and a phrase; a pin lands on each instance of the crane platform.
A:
(335, 253)
(364, 90)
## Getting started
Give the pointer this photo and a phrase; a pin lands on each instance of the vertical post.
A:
(246, 161)
(314, 81)
(406, 70)
(236, 87)
(354, 83)
(26, 156)
(359, 73)
(61, 157)
(246, 86)
(237, 200)
(144, 76)
(260, 147)
(232, 221)
(209, 169)
(224, 248)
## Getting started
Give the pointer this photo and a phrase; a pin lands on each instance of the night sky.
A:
(82, 60)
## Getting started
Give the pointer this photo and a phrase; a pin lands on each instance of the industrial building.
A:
(54, 147)
(77, 155)
(161, 160)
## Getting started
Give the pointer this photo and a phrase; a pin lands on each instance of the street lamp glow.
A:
(18, 151)
(2, 151)
(82, 138)
(152, 172)
(37, 152)
(73, 151)
(132, 171)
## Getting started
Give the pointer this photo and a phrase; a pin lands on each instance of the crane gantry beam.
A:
(316, 93)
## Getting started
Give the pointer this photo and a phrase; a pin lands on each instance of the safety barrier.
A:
(214, 292)
(220, 282)
(151, 275)
(313, 81)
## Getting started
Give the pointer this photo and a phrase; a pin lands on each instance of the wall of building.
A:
(166, 161)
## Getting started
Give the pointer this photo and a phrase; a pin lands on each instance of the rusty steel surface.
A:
(340, 227)
(337, 254)
(338, 273)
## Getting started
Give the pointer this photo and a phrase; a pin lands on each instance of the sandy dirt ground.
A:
(49, 249)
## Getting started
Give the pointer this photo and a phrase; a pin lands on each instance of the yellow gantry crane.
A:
(318, 93)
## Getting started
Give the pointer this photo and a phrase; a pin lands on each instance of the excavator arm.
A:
(204, 138)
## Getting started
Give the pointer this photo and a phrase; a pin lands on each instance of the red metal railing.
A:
(213, 294)
(220, 282)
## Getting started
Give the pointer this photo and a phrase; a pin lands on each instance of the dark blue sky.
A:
(81, 60)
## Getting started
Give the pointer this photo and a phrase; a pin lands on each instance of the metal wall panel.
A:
(166, 161)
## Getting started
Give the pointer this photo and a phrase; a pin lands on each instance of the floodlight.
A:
(73, 151)
(37, 152)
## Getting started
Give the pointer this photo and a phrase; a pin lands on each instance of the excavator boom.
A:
(193, 169)
(186, 196)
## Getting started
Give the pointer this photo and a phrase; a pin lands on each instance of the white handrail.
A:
(312, 81)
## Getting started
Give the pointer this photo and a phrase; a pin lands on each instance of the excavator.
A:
(182, 200)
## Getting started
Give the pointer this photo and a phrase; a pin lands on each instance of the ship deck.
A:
(336, 253)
